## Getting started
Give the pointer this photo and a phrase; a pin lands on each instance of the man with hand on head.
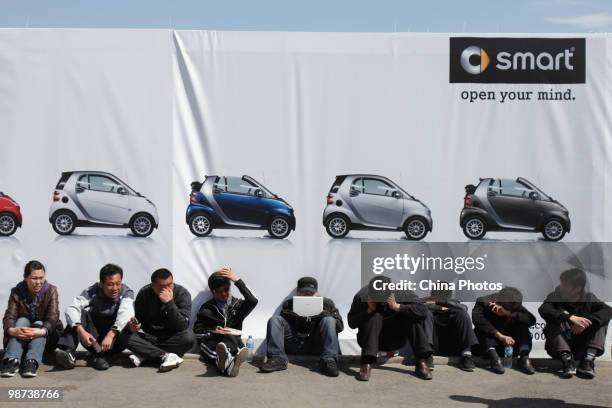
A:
(161, 333)
(576, 324)
(501, 320)
(291, 333)
(388, 325)
(220, 318)
(96, 319)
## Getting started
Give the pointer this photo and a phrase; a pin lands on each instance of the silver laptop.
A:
(307, 306)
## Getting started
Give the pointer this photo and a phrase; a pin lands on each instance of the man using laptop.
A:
(304, 326)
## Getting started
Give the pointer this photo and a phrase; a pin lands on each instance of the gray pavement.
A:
(393, 384)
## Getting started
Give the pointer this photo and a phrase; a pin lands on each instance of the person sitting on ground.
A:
(299, 335)
(501, 320)
(389, 325)
(30, 319)
(218, 319)
(96, 318)
(453, 333)
(161, 333)
(576, 324)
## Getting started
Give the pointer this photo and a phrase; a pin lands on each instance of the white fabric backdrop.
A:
(162, 108)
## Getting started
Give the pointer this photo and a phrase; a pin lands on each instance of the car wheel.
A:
(142, 225)
(474, 228)
(337, 226)
(63, 223)
(279, 227)
(416, 229)
(8, 224)
(553, 230)
(200, 225)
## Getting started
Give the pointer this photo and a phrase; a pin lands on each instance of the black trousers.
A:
(390, 333)
(99, 328)
(453, 333)
(559, 339)
(519, 332)
(208, 346)
(150, 347)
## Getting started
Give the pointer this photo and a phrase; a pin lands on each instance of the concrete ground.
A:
(393, 384)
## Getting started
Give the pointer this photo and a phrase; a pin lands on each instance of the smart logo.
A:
(517, 60)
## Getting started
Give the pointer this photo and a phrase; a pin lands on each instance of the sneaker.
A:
(100, 363)
(329, 367)
(223, 357)
(9, 367)
(170, 361)
(569, 368)
(65, 358)
(525, 365)
(29, 368)
(586, 368)
(237, 361)
(274, 364)
(136, 361)
(467, 363)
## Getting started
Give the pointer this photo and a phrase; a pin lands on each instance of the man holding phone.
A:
(387, 326)
(96, 318)
(161, 332)
(220, 319)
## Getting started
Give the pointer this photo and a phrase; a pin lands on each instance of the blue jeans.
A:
(34, 347)
(323, 339)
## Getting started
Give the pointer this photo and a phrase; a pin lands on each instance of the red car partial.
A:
(10, 215)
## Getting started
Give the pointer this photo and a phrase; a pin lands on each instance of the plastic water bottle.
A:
(508, 356)
(250, 345)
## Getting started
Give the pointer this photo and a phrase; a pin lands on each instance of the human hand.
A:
(166, 295)
(228, 272)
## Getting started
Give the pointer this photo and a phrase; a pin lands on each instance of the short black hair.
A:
(31, 267)
(575, 277)
(510, 298)
(161, 274)
(216, 280)
(109, 270)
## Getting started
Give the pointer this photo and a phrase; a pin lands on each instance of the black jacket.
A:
(358, 314)
(209, 316)
(556, 310)
(163, 319)
(489, 323)
(304, 325)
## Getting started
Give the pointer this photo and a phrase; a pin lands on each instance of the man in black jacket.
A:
(387, 326)
(296, 334)
(161, 330)
(576, 324)
(453, 333)
(217, 316)
(501, 320)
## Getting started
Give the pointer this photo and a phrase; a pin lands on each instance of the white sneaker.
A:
(223, 357)
(237, 361)
(135, 360)
(170, 361)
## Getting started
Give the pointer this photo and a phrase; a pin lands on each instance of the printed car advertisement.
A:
(286, 155)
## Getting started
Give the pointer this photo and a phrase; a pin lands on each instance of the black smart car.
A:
(511, 205)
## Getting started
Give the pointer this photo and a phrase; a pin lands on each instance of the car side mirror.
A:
(534, 195)
(216, 191)
(122, 191)
(79, 189)
(396, 194)
(354, 192)
(491, 194)
(259, 193)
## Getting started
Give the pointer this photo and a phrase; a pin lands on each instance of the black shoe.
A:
(364, 372)
(586, 368)
(525, 365)
(329, 367)
(29, 368)
(9, 367)
(569, 368)
(273, 364)
(65, 358)
(496, 366)
(422, 371)
(467, 363)
(430, 363)
(100, 363)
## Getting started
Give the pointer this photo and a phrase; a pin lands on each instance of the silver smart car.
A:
(370, 202)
